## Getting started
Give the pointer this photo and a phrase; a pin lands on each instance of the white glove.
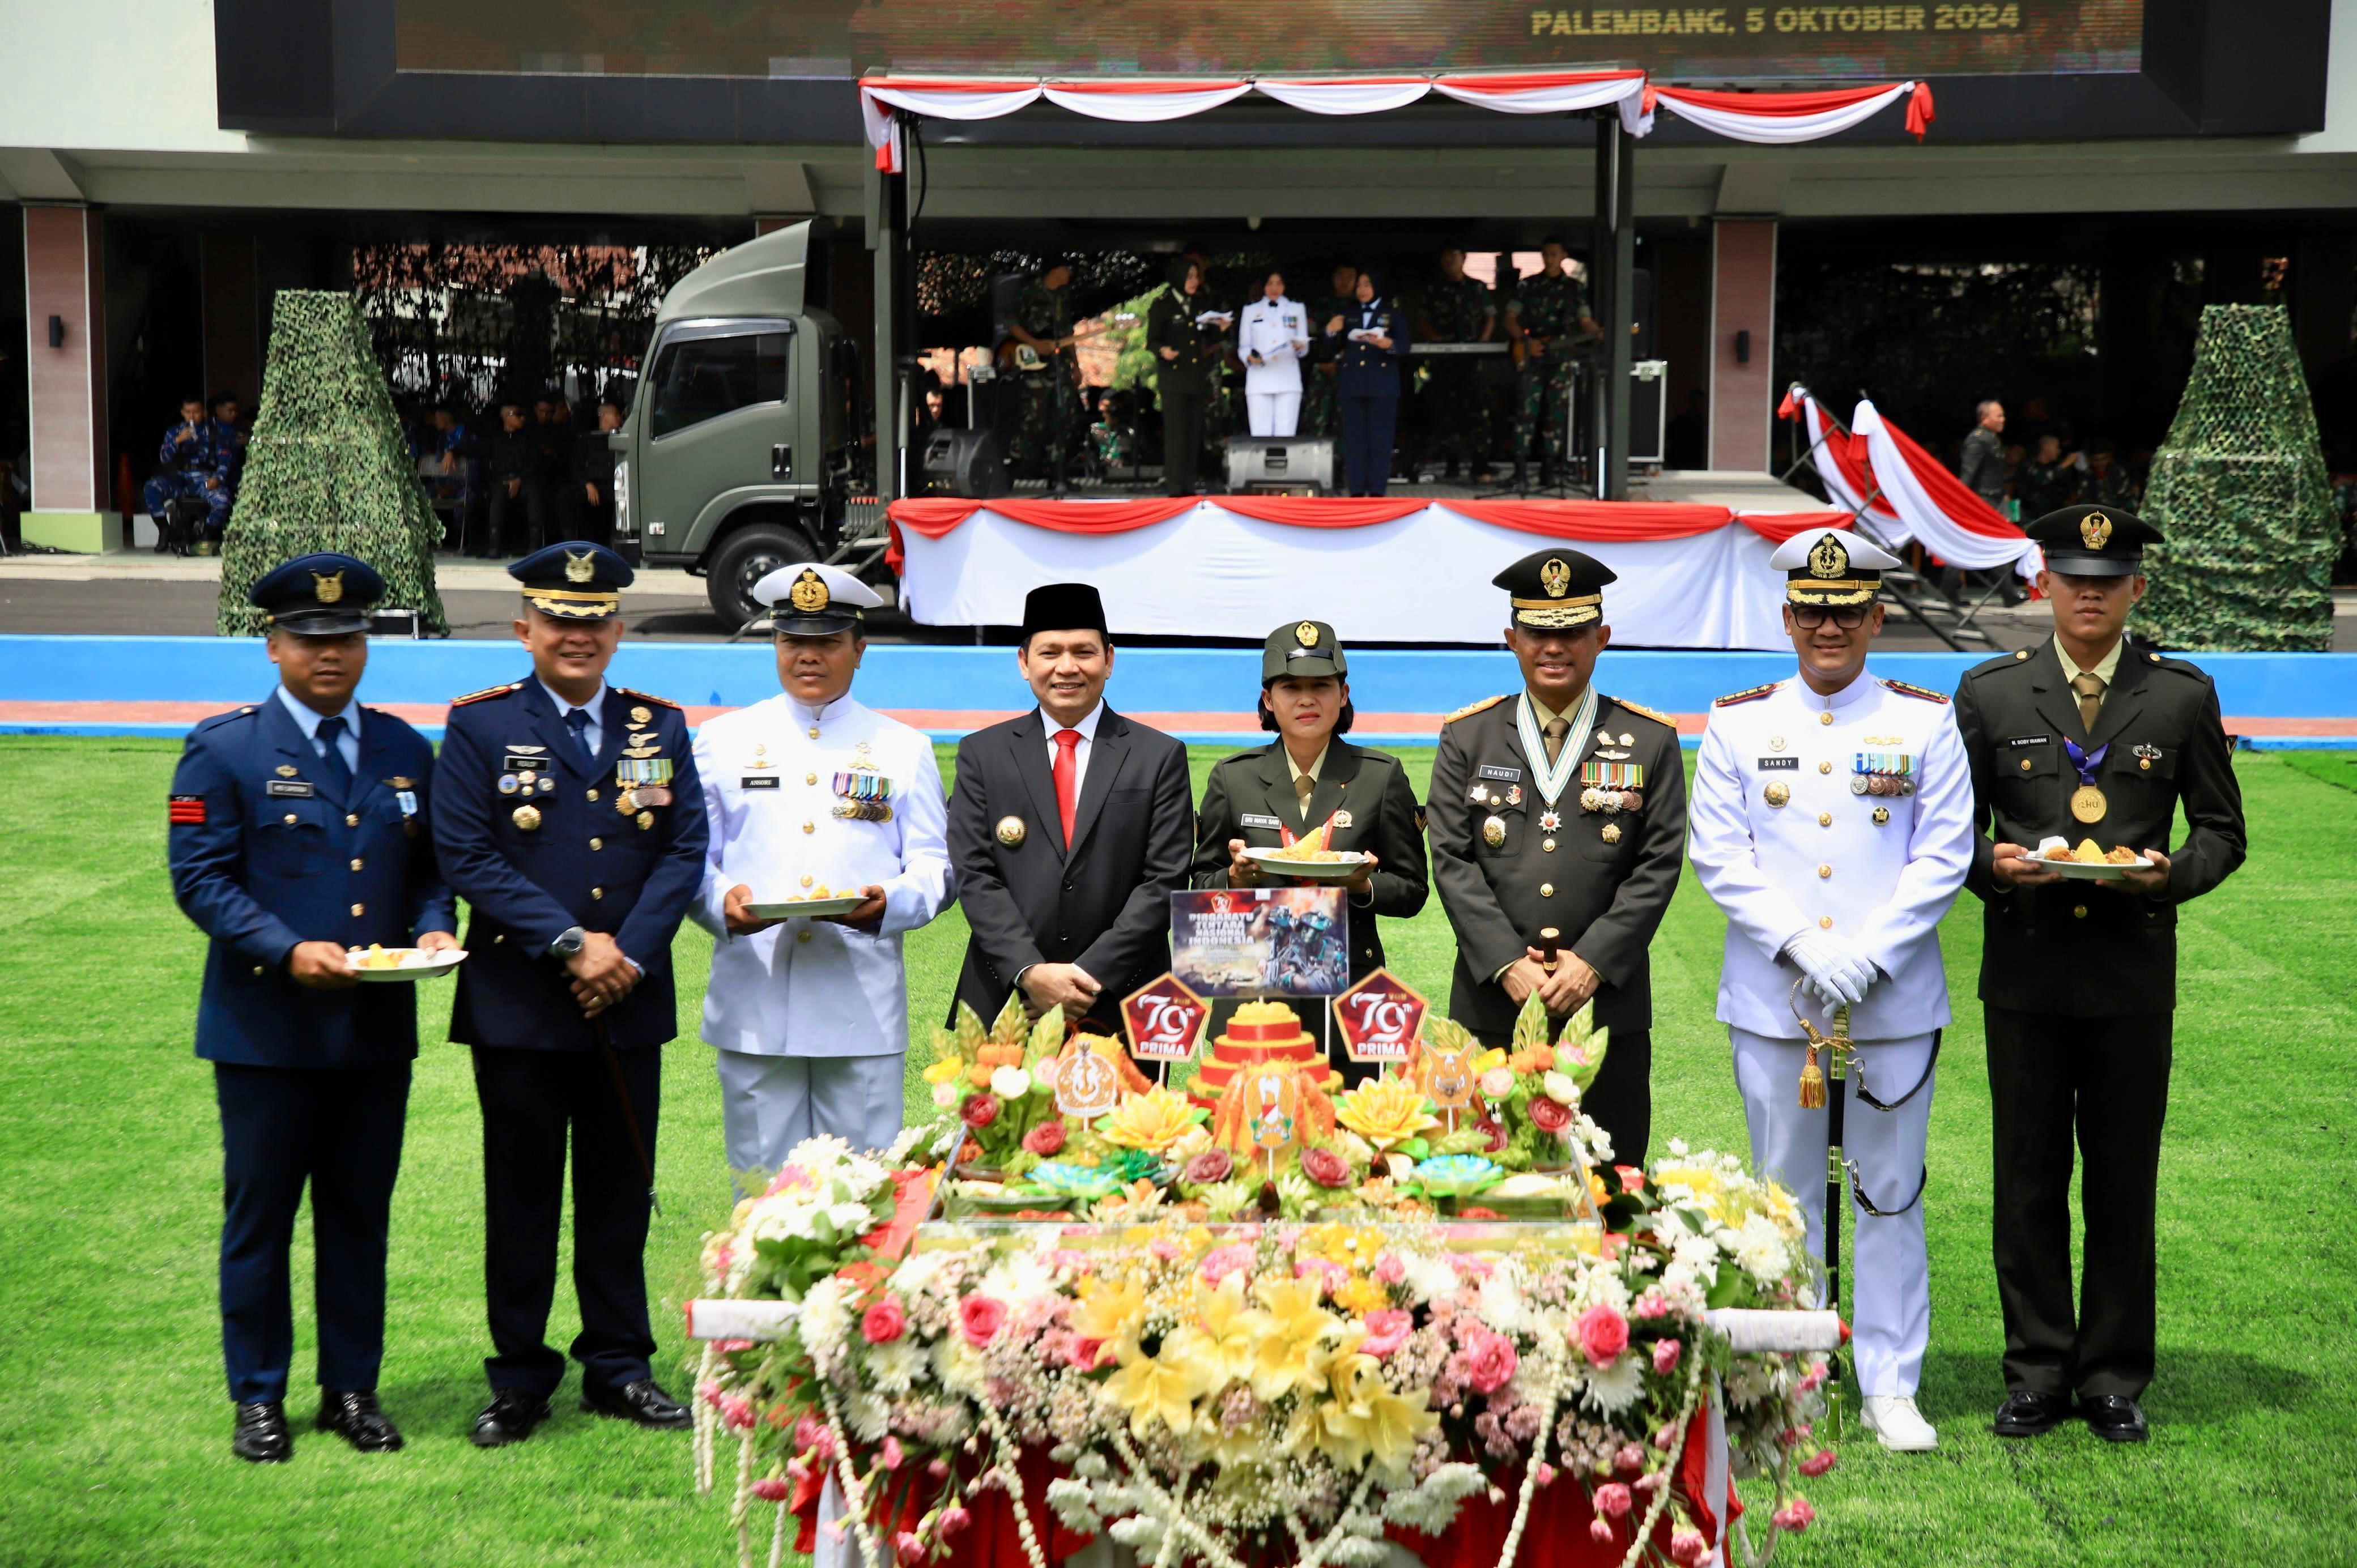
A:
(1836, 972)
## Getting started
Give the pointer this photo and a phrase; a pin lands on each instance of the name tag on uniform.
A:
(2031, 740)
(1255, 819)
(1772, 764)
(408, 799)
(757, 781)
(525, 764)
(291, 787)
(1491, 770)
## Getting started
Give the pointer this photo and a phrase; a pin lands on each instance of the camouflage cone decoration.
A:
(327, 469)
(2240, 490)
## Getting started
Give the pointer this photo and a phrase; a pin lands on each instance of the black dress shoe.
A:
(261, 1437)
(2115, 1418)
(509, 1418)
(355, 1418)
(2027, 1415)
(641, 1400)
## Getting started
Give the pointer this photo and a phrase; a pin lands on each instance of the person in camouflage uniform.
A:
(1051, 392)
(1319, 410)
(1548, 316)
(1457, 309)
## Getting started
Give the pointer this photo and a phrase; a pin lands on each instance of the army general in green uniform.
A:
(2086, 735)
(1310, 775)
(1558, 821)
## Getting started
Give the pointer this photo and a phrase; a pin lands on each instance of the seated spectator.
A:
(443, 462)
(512, 467)
(197, 461)
(235, 434)
(2108, 481)
(2050, 479)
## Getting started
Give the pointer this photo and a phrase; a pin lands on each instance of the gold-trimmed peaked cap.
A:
(1553, 590)
(1832, 567)
(324, 594)
(574, 580)
(810, 598)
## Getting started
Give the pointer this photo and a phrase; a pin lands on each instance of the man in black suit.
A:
(1069, 827)
(2086, 736)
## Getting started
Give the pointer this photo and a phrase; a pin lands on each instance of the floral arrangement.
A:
(1263, 1391)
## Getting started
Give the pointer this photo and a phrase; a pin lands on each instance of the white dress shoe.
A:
(1894, 1419)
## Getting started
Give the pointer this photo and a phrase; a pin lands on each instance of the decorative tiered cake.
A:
(1260, 1032)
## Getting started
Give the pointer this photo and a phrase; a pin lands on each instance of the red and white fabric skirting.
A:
(1389, 569)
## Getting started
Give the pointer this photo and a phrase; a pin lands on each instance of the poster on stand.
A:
(1261, 941)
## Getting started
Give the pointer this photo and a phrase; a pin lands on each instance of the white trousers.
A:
(1272, 413)
(768, 1104)
(1884, 1258)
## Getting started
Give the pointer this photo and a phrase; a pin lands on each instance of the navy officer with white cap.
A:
(297, 831)
(573, 826)
(812, 795)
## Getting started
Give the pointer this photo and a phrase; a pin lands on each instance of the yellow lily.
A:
(1367, 1419)
(1291, 1353)
(1163, 1388)
(1109, 1309)
(1231, 1331)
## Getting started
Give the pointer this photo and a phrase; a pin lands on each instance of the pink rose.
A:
(1325, 1168)
(1210, 1166)
(773, 1488)
(1796, 1516)
(709, 1392)
(1496, 1132)
(1046, 1140)
(736, 1413)
(1687, 1548)
(1666, 1356)
(909, 1548)
(1817, 1464)
(1086, 1352)
(1486, 1360)
(1603, 1333)
(980, 1317)
(1629, 1460)
(1221, 1262)
(953, 1519)
(812, 1437)
(890, 1455)
(1549, 1115)
(979, 1110)
(1543, 1473)
(884, 1322)
(1614, 1500)
(1387, 1330)
(1599, 1531)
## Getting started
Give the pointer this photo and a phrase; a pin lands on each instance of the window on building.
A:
(696, 379)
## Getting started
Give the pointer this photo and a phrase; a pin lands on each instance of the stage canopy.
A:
(1776, 118)
(1389, 569)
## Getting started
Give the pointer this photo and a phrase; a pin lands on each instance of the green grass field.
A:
(114, 1425)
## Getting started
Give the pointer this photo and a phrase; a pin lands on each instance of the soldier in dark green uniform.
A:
(1548, 322)
(2087, 736)
(1457, 309)
(1558, 823)
(1049, 375)
(1320, 409)
(1308, 776)
(1189, 351)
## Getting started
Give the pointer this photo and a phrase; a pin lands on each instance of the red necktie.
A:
(1068, 744)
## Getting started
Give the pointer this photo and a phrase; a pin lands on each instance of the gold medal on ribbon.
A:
(2087, 803)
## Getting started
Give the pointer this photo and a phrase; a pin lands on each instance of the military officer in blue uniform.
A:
(573, 825)
(1370, 338)
(198, 457)
(298, 832)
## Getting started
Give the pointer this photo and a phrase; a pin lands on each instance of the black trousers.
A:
(340, 1131)
(518, 522)
(1621, 1101)
(2103, 1082)
(531, 1100)
(1367, 423)
(1182, 437)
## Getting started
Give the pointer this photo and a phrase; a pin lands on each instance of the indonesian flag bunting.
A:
(1779, 118)
(933, 100)
(1141, 102)
(1842, 463)
(1553, 92)
(1934, 506)
(1360, 95)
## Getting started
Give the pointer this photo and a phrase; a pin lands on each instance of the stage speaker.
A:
(1293, 465)
(1649, 410)
(962, 463)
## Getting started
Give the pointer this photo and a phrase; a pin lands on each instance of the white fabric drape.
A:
(1922, 518)
(1838, 485)
(1209, 572)
(1370, 95)
(1777, 129)
(1139, 103)
(1553, 92)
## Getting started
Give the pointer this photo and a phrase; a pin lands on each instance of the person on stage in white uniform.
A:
(812, 794)
(1832, 818)
(1272, 337)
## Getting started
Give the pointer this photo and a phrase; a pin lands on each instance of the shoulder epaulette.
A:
(1753, 695)
(1906, 688)
(1641, 711)
(505, 688)
(215, 721)
(647, 697)
(1469, 709)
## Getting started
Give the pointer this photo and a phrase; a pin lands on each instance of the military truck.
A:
(738, 455)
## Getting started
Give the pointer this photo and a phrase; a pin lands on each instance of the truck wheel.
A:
(745, 558)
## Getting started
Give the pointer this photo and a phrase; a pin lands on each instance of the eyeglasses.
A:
(1808, 618)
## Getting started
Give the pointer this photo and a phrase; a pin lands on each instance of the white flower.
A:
(1017, 1280)
(917, 1273)
(894, 1366)
(1498, 1083)
(958, 1364)
(1010, 1083)
(868, 1417)
(1431, 1279)
(1697, 1252)
(821, 1155)
(946, 1097)
(1501, 1302)
(1615, 1387)
(851, 1218)
(1359, 1149)
(1677, 1148)
(1759, 1249)
(908, 1139)
(825, 1319)
(1594, 1139)
(1560, 1088)
(1431, 1504)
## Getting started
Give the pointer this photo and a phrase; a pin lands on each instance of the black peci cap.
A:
(1064, 606)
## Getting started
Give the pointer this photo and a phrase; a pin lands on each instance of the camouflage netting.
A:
(327, 469)
(2240, 489)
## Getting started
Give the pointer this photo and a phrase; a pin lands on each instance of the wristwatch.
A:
(571, 940)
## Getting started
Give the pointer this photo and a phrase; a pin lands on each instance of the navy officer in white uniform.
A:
(1832, 818)
(810, 792)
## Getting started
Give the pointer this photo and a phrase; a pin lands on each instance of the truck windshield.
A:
(702, 378)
